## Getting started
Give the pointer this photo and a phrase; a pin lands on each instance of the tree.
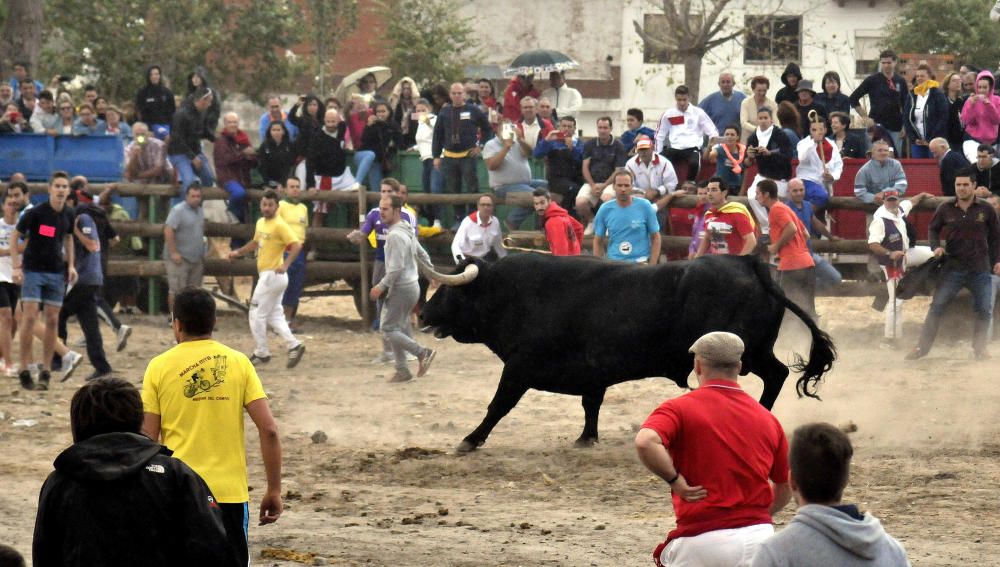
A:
(241, 45)
(21, 36)
(959, 27)
(330, 21)
(688, 36)
(429, 41)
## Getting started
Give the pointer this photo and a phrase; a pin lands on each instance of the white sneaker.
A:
(437, 223)
(995, 12)
(12, 370)
(355, 187)
(124, 332)
(589, 230)
(69, 364)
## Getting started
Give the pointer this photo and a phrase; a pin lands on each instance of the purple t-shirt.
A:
(373, 221)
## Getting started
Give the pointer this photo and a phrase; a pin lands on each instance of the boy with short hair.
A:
(824, 531)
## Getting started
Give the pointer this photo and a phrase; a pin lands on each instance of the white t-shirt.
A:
(6, 265)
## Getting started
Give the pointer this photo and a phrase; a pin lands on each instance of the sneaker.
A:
(995, 12)
(295, 355)
(401, 376)
(410, 358)
(916, 353)
(124, 332)
(26, 381)
(69, 364)
(259, 360)
(384, 358)
(97, 375)
(888, 344)
(43, 380)
(426, 358)
(437, 223)
(589, 230)
(12, 370)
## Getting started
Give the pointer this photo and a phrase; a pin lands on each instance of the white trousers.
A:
(758, 210)
(720, 548)
(265, 309)
(894, 308)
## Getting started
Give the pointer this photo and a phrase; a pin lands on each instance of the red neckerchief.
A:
(827, 149)
(892, 85)
(737, 168)
(240, 138)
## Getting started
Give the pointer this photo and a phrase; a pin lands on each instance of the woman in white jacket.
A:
(820, 165)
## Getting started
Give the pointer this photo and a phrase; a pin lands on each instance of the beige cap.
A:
(725, 348)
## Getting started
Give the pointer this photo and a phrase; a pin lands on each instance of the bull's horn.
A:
(470, 273)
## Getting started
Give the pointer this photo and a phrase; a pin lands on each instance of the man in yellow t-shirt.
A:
(271, 238)
(193, 398)
(296, 216)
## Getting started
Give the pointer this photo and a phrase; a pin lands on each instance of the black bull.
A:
(577, 325)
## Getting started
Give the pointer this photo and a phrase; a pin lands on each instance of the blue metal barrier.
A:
(100, 158)
(30, 154)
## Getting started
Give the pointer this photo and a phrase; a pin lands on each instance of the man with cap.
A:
(724, 457)
(805, 102)
(889, 241)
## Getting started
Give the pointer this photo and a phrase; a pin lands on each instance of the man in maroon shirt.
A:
(716, 448)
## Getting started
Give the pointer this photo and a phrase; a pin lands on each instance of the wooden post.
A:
(365, 285)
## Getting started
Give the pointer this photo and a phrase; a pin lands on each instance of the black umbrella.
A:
(539, 62)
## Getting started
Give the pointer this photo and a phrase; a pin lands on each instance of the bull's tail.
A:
(822, 352)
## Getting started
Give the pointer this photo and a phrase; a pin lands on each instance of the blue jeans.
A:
(816, 194)
(238, 206)
(920, 152)
(516, 215)
(186, 174)
(952, 281)
(826, 275)
(364, 165)
(432, 183)
(296, 281)
(456, 173)
(47, 288)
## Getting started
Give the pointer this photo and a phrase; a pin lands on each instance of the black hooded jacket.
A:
(155, 103)
(119, 499)
(186, 131)
(788, 91)
(213, 112)
(306, 124)
(276, 161)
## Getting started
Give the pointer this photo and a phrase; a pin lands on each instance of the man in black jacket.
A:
(186, 132)
(117, 498)
(950, 163)
(459, 134)
(771, 149)
(886, 91)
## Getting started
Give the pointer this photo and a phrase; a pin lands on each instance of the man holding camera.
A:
(146, 158)
(508, 169)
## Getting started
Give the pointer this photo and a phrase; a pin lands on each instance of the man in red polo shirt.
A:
(790, 243)
(729, 227)
(716, 448)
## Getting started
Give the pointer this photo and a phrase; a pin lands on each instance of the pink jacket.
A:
(982, 119)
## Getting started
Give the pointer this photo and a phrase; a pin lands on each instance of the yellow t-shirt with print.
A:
(199, 389)
(272, 236)
(296, 216)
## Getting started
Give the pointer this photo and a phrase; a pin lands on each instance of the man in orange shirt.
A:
(789, 242)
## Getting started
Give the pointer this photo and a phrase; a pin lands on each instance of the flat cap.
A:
(718, 346)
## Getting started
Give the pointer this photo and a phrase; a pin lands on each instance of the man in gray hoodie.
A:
(824, 531)
(400, 288)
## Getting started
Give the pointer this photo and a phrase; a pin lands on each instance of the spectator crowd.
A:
(618, 189)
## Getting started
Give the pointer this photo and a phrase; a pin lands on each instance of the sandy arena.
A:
(385, 488)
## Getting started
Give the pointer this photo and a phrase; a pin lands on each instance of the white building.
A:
(616, 73)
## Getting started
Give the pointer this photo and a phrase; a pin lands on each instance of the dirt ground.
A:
(385, 488)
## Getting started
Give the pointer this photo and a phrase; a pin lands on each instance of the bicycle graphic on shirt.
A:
(204, 380)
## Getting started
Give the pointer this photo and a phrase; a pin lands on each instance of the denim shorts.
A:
(47, 288)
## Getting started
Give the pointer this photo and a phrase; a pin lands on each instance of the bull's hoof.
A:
(466, 446)
(585, 442)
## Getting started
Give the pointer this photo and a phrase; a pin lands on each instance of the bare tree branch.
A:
(649, 40)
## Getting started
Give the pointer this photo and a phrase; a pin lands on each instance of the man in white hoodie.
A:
(825, 531)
